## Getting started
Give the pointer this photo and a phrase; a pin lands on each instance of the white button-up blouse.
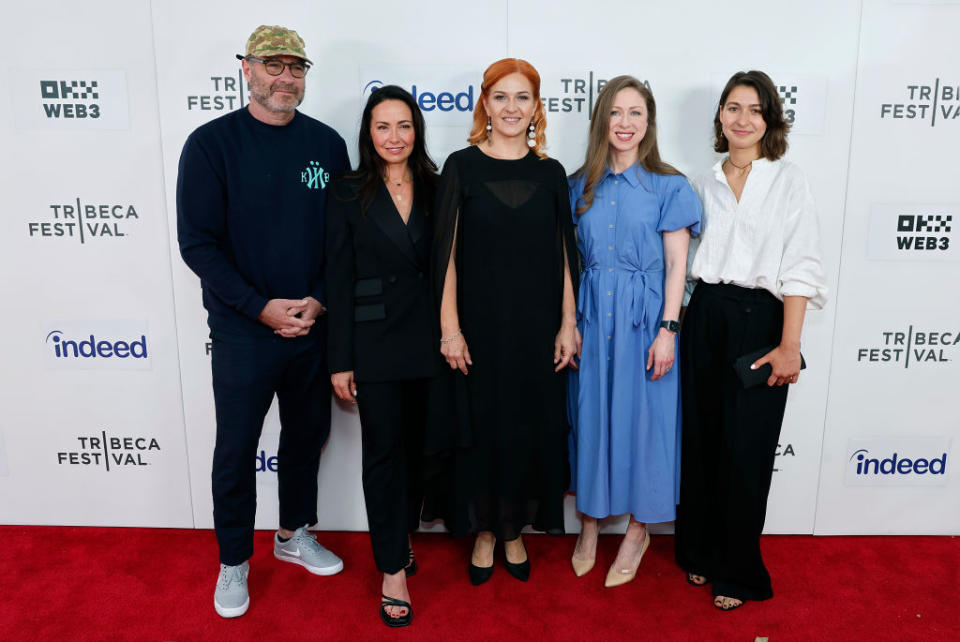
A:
(769, 240)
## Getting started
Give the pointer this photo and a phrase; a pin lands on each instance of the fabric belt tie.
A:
(642, 283)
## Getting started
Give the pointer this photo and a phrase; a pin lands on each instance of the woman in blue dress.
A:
(634, 215)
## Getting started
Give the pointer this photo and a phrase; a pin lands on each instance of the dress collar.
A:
(629, 174)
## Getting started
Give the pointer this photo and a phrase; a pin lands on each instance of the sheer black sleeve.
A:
(446, 214)
(566, 233)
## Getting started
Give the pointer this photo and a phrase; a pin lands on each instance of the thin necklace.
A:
(750, 164)
(399, 197)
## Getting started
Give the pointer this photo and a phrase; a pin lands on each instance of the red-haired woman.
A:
(505, 273)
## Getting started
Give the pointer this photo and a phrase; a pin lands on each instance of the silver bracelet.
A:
(451, 337)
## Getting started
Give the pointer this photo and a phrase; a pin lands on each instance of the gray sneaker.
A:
(231, 598)
(303, 549)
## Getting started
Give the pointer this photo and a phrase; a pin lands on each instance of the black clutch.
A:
(753, 378)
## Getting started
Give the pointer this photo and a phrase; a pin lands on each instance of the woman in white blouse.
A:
(758, 266)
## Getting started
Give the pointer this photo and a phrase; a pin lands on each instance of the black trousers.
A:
(246, 375)
(392, 420)
(729, 439)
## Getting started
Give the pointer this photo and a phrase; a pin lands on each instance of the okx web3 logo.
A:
(898, 462)
(913, 232)
(71, 99)
(101, 345)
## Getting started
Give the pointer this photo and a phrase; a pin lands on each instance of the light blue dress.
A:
(625, 442)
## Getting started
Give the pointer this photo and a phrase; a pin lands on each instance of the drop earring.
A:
(531, 136)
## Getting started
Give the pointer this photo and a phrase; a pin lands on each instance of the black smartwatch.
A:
(672, 326)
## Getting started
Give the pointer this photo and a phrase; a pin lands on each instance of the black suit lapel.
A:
(417, 224)
(387, 218)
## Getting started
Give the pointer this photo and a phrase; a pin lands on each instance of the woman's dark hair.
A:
(372, 168)
(773, 145)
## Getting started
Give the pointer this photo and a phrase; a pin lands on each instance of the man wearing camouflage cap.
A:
(250, 222)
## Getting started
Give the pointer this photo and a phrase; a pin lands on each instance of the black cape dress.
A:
(501, 430)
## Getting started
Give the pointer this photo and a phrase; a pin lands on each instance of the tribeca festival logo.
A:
(314, 176)
(84, 221)
(781, 452)
(110, 452)
(70, 98)
(224, 93)
(911, 347)
(110, 345)
(920, 461)
(924, 102)
(573, 94)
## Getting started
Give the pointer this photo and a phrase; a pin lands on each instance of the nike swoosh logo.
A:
(295, 553)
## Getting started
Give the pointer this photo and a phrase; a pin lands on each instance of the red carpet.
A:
(119, 584)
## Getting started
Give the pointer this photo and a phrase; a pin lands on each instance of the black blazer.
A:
(382, 322)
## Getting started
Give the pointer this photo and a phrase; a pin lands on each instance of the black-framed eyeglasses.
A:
(275, 67)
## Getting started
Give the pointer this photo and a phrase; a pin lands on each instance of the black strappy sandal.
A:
(411, 568)
(725, 607)
(690, 581)
(389, 620)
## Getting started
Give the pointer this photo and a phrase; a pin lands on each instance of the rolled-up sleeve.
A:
(801, 271)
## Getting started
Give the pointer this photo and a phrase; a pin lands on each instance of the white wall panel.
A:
(84, 252)
(93, 121)
(897, 342)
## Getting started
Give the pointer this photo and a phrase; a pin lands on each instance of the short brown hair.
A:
(773, 145)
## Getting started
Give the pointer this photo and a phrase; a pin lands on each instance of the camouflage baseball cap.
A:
(275, 41)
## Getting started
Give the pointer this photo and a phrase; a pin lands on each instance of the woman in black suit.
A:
(382, 328)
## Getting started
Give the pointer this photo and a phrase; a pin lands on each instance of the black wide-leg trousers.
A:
(246, 375)
(392, 420)
(729, 439)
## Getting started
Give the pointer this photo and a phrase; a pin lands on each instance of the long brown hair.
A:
(494, 74)
(598, 147)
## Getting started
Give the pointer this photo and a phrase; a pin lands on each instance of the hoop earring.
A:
(531, 135)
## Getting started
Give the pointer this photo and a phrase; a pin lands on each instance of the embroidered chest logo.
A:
(314, 176)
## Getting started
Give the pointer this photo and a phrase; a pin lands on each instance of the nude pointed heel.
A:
(582, 567)
(617, 577)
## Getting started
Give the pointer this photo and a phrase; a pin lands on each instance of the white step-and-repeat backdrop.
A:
(107, 412)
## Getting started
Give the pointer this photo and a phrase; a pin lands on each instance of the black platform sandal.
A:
(411, 568)
(389, 620)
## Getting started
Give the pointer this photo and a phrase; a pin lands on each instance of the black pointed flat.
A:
(480, 574)
(520, 571)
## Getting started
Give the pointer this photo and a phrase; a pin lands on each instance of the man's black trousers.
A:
(246, 375)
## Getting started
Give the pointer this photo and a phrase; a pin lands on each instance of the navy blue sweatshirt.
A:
(250, 214)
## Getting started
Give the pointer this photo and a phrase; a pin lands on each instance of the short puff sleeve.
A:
(679, 206)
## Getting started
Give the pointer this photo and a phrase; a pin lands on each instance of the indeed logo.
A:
(430, 100)
(267, 463)
(897, 465)
(93, 348)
